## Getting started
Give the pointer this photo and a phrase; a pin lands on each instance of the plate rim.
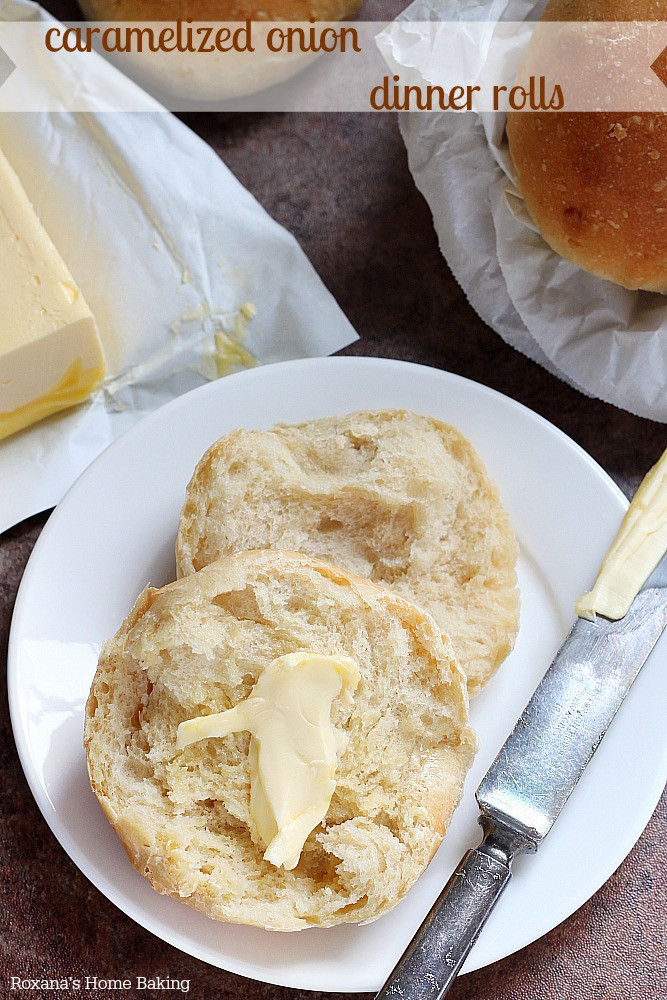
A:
(137, 913)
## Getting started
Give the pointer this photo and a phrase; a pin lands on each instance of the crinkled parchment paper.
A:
(606, 341)
(187, 275)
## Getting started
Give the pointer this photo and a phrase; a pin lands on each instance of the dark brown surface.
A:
(340, 183)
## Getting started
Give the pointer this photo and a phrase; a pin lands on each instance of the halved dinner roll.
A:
(388, 494)
(197, 647)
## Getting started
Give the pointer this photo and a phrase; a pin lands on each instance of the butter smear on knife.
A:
(50, 352)
(636, 551)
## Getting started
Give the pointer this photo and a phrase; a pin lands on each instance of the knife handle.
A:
(432, 960)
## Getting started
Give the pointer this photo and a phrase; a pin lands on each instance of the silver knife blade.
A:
(534, 773)
(560, 729)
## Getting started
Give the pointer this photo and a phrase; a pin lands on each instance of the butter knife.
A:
(536, 769)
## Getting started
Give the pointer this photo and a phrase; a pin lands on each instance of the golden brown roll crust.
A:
(595, 183)
(197, 647)
(217, 76)
(605, 10)
(218, 10)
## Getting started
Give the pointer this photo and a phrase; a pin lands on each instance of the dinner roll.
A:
(595, 183)
(198, 647)
(391, 495)
(217, 76)
(211, 11)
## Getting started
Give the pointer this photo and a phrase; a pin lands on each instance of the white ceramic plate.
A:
(114, 532)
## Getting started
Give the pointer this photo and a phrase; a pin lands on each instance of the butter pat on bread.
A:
(293, 746)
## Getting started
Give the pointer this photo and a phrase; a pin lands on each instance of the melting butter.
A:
(230, 352)
(637, 549)
(293, 747)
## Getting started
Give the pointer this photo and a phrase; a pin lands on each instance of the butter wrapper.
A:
(187, 275)
(602, 339)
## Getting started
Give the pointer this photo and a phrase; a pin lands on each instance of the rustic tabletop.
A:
(341, 184)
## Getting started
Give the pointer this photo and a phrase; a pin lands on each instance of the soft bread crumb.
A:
(391, 495)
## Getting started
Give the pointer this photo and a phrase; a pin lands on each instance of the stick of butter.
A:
(293, 747)
(50, 351)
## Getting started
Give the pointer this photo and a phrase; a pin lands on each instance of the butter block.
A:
(51, 356)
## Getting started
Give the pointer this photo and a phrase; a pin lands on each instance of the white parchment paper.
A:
(168, 249)
(606, 341)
